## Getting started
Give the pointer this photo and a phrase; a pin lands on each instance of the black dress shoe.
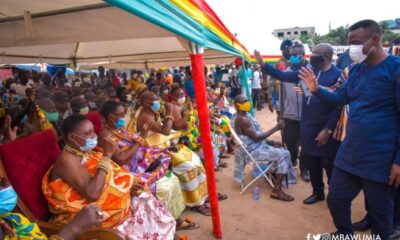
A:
(395, 233)
(362, 225)
(314, 198)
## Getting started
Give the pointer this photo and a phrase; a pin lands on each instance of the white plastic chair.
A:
(263, 173)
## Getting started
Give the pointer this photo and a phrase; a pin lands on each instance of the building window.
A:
(304, 33)
(280, 34)
(288, 33)
(296, 32)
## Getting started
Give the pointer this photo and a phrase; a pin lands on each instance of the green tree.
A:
(338, 36)
(311, 39)
(387, 35)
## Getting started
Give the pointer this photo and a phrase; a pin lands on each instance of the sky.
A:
(254, 20)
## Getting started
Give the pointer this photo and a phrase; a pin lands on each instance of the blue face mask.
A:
(156, 106)
(295, 59)
(8, 200)
(51, 116)
(90, 144)
(120, 123)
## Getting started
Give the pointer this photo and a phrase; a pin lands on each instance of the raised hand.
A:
(259, 58)
(307, 75)
(107, 146)
(10, 132)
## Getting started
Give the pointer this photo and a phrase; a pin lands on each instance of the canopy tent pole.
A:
(205, 133)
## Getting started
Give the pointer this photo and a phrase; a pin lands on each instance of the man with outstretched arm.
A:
(368, 158)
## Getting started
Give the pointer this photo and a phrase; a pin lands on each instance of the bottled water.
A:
(256, 193)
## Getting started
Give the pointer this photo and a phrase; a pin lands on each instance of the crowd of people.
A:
(132, 146)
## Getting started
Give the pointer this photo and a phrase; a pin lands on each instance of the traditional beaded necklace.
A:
(78, 153)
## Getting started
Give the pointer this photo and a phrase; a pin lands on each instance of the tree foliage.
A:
(338, 36)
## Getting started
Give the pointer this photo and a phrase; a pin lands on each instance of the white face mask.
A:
(84, 111)
(128, 97)
(356, 53)
(181, 100)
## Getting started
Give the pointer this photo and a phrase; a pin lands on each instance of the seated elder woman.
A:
(84, 174)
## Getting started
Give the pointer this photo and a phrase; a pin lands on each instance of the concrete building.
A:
(293, 33)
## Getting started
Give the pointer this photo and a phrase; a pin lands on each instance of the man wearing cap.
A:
(282, 64)
(291, 110)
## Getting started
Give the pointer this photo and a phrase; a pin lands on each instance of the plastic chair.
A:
(24, 162)
(264, 172)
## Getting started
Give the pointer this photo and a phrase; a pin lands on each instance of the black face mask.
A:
(317, 62)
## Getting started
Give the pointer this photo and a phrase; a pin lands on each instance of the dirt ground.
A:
(242, 218)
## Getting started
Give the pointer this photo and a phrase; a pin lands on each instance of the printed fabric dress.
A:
(137, 218)
(262, 152)
(143, 159)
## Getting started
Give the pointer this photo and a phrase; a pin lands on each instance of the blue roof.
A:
(393, 23)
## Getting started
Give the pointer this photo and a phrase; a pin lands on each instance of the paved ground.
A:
(244, 219)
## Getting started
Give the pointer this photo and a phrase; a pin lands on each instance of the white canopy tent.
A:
(86, 33)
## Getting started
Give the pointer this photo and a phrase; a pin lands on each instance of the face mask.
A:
(181, 100)
(356, 53)
(8, 200)
(245, 107)
(317, 62)
(90, 144)
(156, 106)
(295, 59)
(128, 97)
(120, 123)
(165, 92)
(134, 76)
(77, 84)
(217, 91)
(52, 117)
(84, 111)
